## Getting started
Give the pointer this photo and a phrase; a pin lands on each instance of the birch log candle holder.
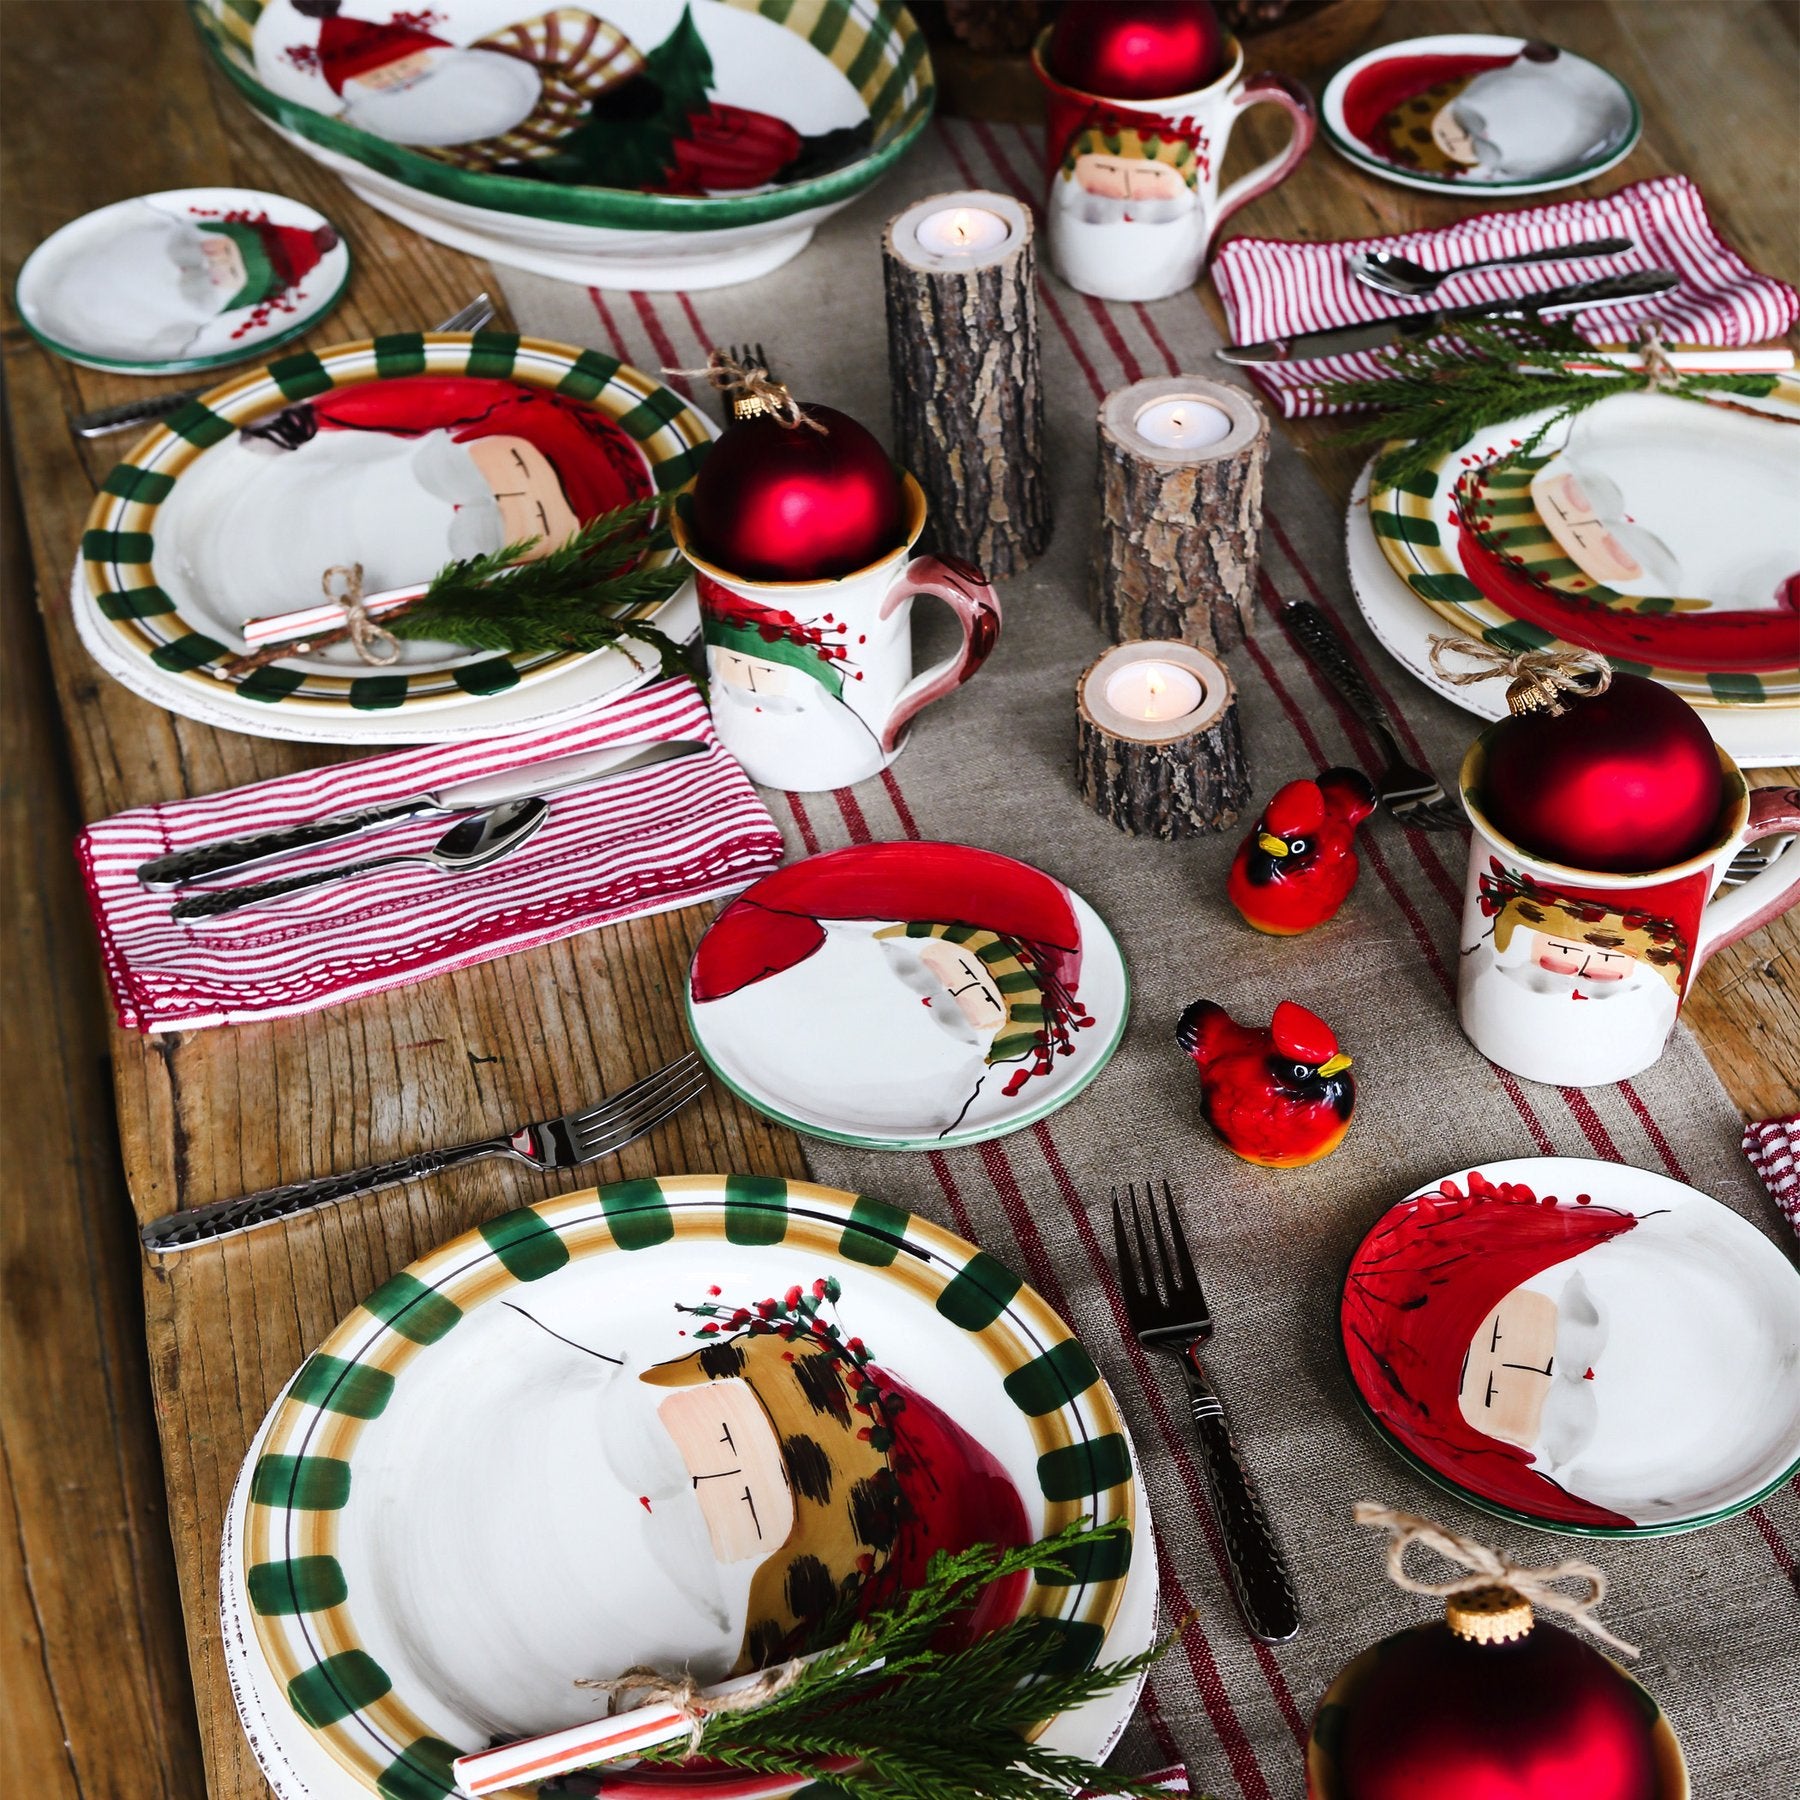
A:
(1158, 750)
(961, 278)
(1181, 475)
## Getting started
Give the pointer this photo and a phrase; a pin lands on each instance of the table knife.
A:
(228, 855)
(1408, 328)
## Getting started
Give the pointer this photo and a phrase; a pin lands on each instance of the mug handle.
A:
(1763, 897)
(965, 590)
(1271, 89)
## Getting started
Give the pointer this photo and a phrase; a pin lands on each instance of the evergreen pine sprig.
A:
(1436, 396)
(576, 597)
(926, 1723)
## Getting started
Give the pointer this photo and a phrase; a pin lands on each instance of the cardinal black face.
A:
(1276, 858)
(1322, 1084)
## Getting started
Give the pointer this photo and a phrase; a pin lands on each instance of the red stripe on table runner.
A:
(897, 800)
(803, 824)
(1152, 1710)
(1783, 1556)
(617, 337)
(946, 1180)
(662, 344)
(1653, 1131)
(851, 809)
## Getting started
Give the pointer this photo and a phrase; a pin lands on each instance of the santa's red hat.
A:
(276, 257)
(349, 48)
(777, 925)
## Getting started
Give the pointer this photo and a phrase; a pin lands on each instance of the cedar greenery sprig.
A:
(1436, 396)
(575, 597)
(932, 1724)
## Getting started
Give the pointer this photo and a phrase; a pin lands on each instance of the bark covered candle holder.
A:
(1168, 777)
(1180, 524)
(968, 394)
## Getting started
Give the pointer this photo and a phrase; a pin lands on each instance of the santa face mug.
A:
(1574, 977)
(1134, 200)
(812, 681)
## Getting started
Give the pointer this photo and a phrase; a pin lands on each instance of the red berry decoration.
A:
(799, 494)
(1624, 781)
(1137, 49)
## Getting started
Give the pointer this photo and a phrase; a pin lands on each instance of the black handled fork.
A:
(1169, 1312)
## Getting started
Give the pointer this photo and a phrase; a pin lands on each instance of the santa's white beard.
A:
(462, 97)
(1530, 1021)
(144, 292)
(797, 739)
(1103, 209)
(847, 1036)
(251, 529)
(1528, 118)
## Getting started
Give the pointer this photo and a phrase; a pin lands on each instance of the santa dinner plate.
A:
(1660, 532)
(1579, 1345)
(909, 996)
(1492, 115)
(397, 454)
(635, 1426)
(191, 279)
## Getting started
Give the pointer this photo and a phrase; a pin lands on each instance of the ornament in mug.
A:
(1574, 975)
(1133, 179)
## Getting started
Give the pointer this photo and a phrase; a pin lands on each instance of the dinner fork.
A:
(1413, 796)
(1168, 1312)
(156, 406)
(576, 1137)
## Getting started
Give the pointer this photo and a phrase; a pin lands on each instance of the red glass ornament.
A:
(1136, 49)
(1541, 1718)
(777, 502)
(1624, 781)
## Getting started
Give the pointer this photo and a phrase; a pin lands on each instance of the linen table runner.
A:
(993, 765)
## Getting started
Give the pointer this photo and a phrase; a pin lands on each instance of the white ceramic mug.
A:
(812, 681)
(1133, 201)
(1575, 976)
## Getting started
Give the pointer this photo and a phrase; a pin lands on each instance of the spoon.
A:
(469, 844)
(1388, 272)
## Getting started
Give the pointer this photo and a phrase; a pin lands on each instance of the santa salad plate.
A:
(674, 1422)
(908, 996)
(1579, 1345)
(190, 279)
(670, 142)
(395, 455)
(1661, 532)
(1491, 115)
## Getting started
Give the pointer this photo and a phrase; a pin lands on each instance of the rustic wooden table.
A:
(127, 105)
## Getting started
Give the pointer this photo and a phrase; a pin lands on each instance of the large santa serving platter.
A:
(397, 454)
(1579, 1345)
(632, 1426)
(194, 278)
(908, 996)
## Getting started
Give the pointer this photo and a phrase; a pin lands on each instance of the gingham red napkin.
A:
(1773, 1147)
(1274, 287)
(682, 831)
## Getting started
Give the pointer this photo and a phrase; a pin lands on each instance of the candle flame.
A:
(962, 227)
(1154, 686)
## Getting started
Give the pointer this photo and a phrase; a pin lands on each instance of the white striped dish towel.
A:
(1274, 287)
(1773, 1147)
(683, 831)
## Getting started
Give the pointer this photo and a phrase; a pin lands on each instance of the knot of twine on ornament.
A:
(374, 643)
(656, 1687)
(1660, 374)
(743, 376)
(1490, 1569)
(1537, 679)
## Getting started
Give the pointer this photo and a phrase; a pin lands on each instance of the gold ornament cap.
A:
(1532, 693)
(1495, 1614)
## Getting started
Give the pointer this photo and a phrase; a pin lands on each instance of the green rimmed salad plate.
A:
(396, 454)
(527, 1460)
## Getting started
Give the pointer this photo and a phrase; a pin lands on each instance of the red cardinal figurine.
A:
(1296, 868)
(1278, 1097)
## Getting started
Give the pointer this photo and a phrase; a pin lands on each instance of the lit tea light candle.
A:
(1184, 422)
(963, 231)
(1155, 692)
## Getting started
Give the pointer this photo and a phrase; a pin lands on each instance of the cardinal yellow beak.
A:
(1268, 841)
(1340, 1061)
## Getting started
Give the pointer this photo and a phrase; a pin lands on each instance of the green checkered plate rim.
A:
(118, 545)
(305, 1607)
(1417, 535)
(874, 44)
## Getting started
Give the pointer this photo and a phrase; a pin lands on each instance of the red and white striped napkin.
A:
(1773, 1147)
(683, 831)
(1274, 287)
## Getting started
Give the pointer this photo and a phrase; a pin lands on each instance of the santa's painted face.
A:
(1128, 178)
(1528, 1378)
(1586, 962)
(1450, 137)
(442, 96)
(530, 494)
(728, 1444)
(224, 262)
(755, 675)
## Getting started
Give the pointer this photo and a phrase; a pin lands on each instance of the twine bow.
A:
(1537, 679)
(1660, 374)
(743, 376)
(1490, 1569)
(373, 643)
(656, 1687)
